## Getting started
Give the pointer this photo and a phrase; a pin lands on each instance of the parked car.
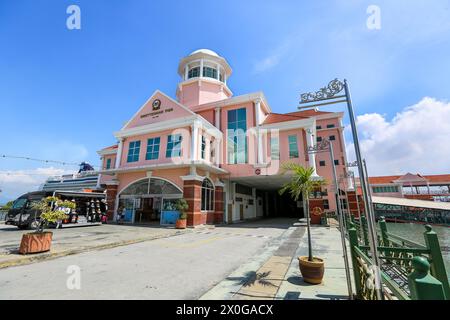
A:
(90, 208)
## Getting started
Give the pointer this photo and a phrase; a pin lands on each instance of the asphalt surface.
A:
(179, 267)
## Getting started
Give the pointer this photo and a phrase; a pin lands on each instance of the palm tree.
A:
(302, 184)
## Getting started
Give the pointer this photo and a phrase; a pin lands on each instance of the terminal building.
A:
(220, 152)
(412, 186)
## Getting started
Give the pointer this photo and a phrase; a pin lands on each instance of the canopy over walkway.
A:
(412, 203)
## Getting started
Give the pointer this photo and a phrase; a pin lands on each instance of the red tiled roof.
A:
(383, 179)
(304, 114)
(436, 178)
(308, 113)
(278, 117)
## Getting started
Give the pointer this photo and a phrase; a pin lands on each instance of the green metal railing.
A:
(409, 270)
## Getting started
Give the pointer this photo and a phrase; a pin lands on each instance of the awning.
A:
(412, 203)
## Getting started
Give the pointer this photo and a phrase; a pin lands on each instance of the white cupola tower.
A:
(204, 77)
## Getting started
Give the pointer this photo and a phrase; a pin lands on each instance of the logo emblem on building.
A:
(156, 104)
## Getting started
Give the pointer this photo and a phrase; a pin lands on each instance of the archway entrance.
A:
(150, 200)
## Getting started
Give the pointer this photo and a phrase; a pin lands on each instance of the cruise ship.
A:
(85, 179)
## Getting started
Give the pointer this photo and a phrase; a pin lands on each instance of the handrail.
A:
(399, 293)
(405, 241)
(409, 250)
(399, 258)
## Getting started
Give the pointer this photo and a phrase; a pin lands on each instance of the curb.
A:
(54, 255)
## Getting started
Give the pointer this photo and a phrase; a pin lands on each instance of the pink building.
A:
(220, 152)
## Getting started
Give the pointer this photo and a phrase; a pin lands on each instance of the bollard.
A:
(437, 262)
(422, 284)
(384, 235)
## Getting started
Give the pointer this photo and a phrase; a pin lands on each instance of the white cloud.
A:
(267, 63)
(277, 54)
(416, 140)
(14, 183)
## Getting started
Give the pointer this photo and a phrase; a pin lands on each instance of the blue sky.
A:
(63, 92)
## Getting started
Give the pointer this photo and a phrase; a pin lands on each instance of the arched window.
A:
(207, 195)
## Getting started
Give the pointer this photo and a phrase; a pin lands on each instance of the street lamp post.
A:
(324, 146)
(330, 95)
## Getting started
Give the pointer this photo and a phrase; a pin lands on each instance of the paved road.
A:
(10, 236)
(179, 267)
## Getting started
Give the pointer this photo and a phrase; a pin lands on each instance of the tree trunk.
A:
(308, 225)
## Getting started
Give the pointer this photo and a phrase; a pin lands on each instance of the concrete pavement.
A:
(326, 244)
(77, 240)
(275, 274)
(179, 267)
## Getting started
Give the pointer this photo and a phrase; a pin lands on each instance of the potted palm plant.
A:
(51, 211)
(182, 206)
(301, 185)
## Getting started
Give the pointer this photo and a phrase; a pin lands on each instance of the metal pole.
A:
(341, 206)
(370, 196)
(349, 213)
(361, 231)
(341, 222)
(369, 192)
(373, 239)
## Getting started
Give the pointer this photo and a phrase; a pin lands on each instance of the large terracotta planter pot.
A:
(35, 242)
(315, 219)
(312, 271)
(181, 224)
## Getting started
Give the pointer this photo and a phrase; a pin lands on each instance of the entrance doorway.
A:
(283, 206)
(150, 200)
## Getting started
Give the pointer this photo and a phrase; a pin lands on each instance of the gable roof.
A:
(115, 146)
(108, 150)
(409, 177)
(157, 92)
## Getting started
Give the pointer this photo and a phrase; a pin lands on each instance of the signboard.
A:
(156, 110)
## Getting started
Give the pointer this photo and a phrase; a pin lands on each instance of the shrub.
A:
(182, 206)
(49, 211)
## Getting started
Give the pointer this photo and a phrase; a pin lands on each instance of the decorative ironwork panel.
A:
(330, 91)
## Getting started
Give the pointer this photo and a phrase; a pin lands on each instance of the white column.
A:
(257, 108)
(201, 68)
(260, 147)
(258, 133)
(186, 71)
(208, 149)
(194, 142)
(119, 153)
(217, 118)
(310, 142)
(218, 71)
(218, 151)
